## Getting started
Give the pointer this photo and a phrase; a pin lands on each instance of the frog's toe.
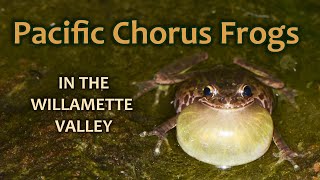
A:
(288, 155)
(157, 148)
(161, 88)
(152, 133)
(157, 97)
(144, 87)
(143, 134)
(161, 138)
(290, 95)
(158, 145)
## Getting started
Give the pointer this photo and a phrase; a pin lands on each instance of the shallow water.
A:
(31, 148)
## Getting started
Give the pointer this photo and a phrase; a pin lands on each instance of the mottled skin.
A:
(227, 83)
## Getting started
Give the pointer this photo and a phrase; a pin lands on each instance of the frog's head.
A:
(229, 96)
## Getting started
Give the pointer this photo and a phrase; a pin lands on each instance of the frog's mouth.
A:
(220, 104)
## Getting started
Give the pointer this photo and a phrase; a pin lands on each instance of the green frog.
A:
(230, 107)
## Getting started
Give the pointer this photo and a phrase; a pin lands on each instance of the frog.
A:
(219, 88)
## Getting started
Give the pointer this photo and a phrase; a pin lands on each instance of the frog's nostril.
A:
(228, 99)
(222, 100)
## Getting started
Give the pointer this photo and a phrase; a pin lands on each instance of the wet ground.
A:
(31, 148)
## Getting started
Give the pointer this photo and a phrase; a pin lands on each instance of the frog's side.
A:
(220, 88)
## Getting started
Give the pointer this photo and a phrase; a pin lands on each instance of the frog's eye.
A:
(246, 91)
(208, 91)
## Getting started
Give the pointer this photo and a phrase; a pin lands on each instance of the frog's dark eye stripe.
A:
(208, 91)
(246, 91)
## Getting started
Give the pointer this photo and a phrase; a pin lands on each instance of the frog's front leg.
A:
(285, 153)
(161, 132)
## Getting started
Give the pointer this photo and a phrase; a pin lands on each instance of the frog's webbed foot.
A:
(288, 155)
(161, 137)
(285, 153)
(144, 87)
(160, 89)
(161, 132)
(290, 95)
(147, 86)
